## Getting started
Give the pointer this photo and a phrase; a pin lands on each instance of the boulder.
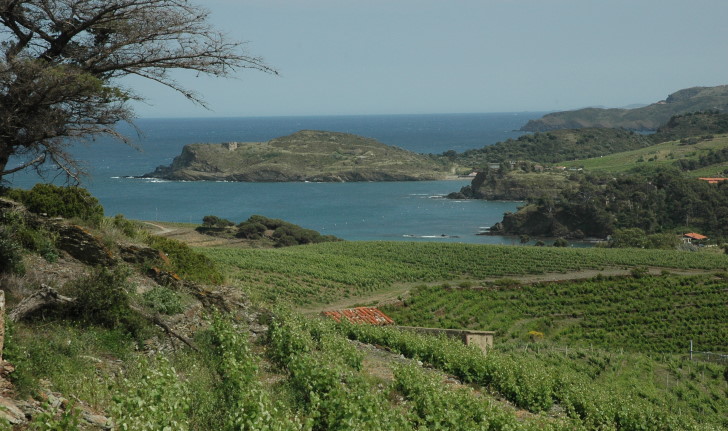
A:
(138, 255)
(83, 245)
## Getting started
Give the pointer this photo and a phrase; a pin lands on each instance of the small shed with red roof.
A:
(713, 180)
(692, 236)
(368, 315)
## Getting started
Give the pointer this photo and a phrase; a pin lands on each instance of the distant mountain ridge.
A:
(308, 155)
(646, 118)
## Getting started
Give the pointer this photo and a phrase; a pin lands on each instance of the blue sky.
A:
(351, 57)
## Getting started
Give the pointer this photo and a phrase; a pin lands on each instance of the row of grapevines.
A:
(326, 271)
(529, 382)
(646, 314)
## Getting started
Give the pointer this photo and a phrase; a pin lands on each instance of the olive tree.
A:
(61, 64)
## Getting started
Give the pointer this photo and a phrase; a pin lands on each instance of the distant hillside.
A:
(307, 155)
(555, 146)
(646, 118)
(692, 125)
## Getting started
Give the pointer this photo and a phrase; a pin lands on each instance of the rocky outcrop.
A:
(511, 186)
(83, 245)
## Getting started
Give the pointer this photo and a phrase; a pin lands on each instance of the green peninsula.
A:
(645, 118)
(308, 155)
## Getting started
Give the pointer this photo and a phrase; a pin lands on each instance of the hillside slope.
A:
(307, 155)
(646, 118)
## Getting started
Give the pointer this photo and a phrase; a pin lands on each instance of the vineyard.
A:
(321, 273)
(653, 314)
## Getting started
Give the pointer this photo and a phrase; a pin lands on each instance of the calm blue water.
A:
(353, 211)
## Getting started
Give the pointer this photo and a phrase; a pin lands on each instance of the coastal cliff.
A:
(645, 118)
(308, 155)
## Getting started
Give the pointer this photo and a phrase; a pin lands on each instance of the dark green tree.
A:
(62, 61)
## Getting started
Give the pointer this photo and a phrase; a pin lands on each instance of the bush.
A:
(163, 300)
(561, 242)
(215, 221)
(102, 298)
(55, 201)
(127, 227)
(11, 255)
(186, 262)
(284, 234)
(250, 230)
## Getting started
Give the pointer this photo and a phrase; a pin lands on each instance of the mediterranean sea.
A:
(409, 211)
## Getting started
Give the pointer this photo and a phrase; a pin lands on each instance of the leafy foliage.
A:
(102, 298)
(56, 201)
(163, 300)
(215, 221)
(186, 262)
(63, 65)
(11, 254)
(157, 400)
(247, 406)
(284, 234)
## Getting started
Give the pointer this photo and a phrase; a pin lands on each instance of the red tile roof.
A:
(368, 315)
(694, 235)
(713, 180)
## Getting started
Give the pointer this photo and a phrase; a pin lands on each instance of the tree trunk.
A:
(46, 297)
(4, 157)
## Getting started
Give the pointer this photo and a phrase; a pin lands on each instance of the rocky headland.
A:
(649, 117)
(308, 155)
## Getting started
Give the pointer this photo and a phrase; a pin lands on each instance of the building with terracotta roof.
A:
(368, 315)
(692, 236)
(713, 180)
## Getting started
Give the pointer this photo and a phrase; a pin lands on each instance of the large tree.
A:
(62, 61)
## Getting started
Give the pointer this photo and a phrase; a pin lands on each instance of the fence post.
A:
(691, 350)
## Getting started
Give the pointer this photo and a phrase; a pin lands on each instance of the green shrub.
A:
(128, 227)
(55, 419)
(186, 262)
(215, 221)
(102, 298)
(250, 230)
(11, 254)
(55, 201)
(284, 234)
(33, 238)
(163, 300)
(561, 242)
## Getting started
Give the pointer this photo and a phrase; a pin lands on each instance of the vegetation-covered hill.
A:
(646, 118)
(664, 201)
(554, 146)
(698, 156)
(304, 156)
